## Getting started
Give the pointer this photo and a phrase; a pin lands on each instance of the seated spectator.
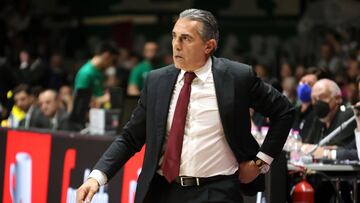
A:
(24, 109)
(304, 112)
(52, 116)
(339, 150)
(66, 98)
(326, 100)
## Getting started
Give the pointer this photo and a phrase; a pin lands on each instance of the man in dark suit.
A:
(22, 113)
(50, 116)
(194, 118)
(326, 100)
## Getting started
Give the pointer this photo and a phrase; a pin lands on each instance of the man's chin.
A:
(178, 65)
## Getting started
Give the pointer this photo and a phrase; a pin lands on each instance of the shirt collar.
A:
(202, 73)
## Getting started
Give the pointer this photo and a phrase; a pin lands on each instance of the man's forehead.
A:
(321, 90)
(48, 95)
(21, 94)
(184, 24)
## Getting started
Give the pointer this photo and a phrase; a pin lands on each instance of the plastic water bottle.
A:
(295, 148)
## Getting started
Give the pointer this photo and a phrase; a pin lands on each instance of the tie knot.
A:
(189, 77)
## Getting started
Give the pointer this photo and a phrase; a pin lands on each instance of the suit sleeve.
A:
(130, 141)
(269, 102)
(347, 152)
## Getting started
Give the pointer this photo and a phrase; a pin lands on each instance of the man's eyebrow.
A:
(183, 35)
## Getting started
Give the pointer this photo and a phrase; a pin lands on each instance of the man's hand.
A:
(248, 171)
(320, 152)
(87, 190)
(316, 151)
(97, 102)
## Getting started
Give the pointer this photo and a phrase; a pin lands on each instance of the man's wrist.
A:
(262, 165)
(329, 154)
(266, 158)
(93, 179)
(99, 176)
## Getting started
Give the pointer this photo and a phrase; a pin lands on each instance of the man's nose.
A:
(176, 45)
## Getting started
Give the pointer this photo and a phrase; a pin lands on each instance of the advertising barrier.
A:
(38, 167)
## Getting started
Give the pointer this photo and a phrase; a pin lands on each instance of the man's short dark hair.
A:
(319, 72)
(22, 88)
(107, 46)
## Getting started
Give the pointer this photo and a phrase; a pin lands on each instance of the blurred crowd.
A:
(41, 57)
(41, 68)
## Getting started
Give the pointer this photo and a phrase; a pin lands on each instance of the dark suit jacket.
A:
(237, 89)
(38, 120)
(35, 111)
(348, 152)
(318, 130)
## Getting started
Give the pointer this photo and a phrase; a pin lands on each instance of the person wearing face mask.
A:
(326, 100)
(304, 112)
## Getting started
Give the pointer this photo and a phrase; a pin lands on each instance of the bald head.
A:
(326, 87)
(326, 91)
(48, 101)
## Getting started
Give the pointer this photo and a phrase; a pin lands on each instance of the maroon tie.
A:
(172, 156)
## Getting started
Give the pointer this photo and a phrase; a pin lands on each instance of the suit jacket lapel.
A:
(224, 88)
(164, 94)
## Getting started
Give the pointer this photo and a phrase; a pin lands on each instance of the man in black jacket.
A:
(216, 156)
(50, 116)
(326, 99)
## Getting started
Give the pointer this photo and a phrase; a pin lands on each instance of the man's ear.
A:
(210, 46)
(338, 99)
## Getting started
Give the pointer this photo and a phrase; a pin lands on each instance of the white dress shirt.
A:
(205, 151)
(28, 116)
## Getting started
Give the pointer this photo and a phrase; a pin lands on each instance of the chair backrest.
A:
(82, 98)
(116, 97)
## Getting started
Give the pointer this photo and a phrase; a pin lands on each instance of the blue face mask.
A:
(304, 92)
